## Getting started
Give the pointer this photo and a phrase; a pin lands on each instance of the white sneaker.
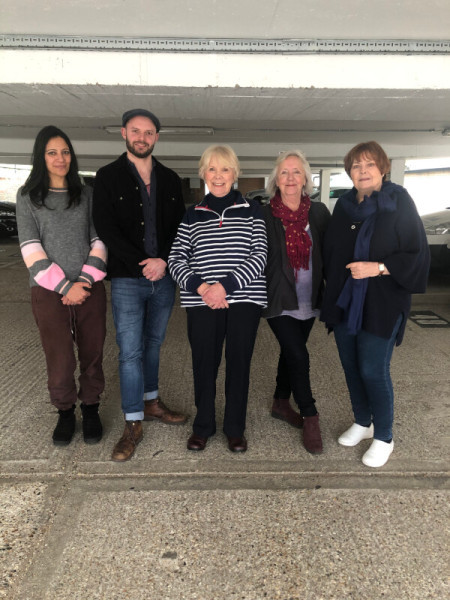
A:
(355, 434)
(378, 454)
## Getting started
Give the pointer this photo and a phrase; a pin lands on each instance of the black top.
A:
(281, 290)
(149, 209)
(119, 216)
(398, 241)
(220, 204)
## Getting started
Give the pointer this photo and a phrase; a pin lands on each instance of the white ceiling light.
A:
(171, 130)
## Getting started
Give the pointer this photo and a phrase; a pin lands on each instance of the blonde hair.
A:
(272, 181)
(224, 154)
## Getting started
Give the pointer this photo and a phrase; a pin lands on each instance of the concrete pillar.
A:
(398, 171)
(325, 186)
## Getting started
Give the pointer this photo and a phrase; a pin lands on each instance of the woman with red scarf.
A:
(295, 229)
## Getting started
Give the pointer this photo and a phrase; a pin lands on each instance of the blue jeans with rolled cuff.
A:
(366, 360)
(141, 311)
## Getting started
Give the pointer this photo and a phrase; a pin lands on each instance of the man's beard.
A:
(137, 153)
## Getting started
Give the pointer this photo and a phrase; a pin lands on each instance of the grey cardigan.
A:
(281, 292)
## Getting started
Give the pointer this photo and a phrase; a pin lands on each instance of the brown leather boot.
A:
(312, 440)
(156, 410)
(281, 409)
(125, 447)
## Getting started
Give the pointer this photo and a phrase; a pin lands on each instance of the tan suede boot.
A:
(125, 447)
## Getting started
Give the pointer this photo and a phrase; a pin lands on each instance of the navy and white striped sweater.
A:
(227, 246)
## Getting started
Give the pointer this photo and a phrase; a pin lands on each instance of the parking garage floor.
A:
(274, 523)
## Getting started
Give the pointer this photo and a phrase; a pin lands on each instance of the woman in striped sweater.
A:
(218, 260)
(67, 263)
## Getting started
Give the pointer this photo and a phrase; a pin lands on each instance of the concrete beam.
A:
(398, 171)
(211, 70)
(325, 175)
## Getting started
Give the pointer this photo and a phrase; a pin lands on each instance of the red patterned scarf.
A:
(298, 242)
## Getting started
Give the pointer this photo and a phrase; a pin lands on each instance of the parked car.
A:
(260, 196)
(335, 193)
(8, 223)
(437, 228)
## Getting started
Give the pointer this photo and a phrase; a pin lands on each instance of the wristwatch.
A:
(381, 268)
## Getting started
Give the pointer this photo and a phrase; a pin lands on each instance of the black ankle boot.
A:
(92, 426)
(65, 428)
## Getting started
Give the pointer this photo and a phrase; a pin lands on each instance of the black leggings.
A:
(293, 364)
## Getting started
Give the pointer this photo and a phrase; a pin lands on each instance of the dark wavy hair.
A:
(38, 181)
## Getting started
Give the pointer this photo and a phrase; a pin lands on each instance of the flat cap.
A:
(140, 112)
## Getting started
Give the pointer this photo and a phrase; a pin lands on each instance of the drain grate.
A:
(428, 318)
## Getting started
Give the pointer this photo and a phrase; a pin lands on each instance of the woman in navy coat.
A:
(375, 256)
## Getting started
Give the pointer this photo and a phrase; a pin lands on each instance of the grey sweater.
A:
(59, 245)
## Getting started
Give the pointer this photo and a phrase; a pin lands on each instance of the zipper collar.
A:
(240, 203)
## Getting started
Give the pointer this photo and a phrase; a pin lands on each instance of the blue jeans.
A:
(141, 311)
(366, 362)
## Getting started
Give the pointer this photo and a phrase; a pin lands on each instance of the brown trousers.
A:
(61, 329)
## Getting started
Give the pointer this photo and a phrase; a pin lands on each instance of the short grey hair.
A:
(272, 181)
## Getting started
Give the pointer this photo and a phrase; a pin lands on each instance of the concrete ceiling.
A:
(325, 105)
(254, 19)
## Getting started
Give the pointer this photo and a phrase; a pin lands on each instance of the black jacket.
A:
(281, 291)
(119, 218)
(400, 242)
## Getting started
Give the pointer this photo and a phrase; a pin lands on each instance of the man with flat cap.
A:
(138, 205)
